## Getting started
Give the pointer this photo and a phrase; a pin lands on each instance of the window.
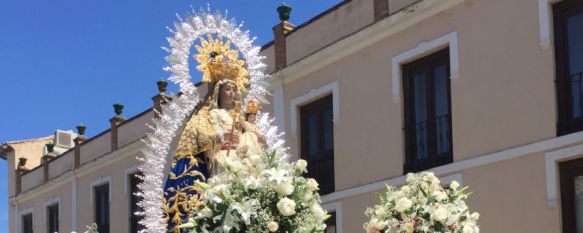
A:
(53, 218)
(134, 219)
(102, 208)
(331, 223)
(568, 19)
(317, 142)
(571, 178)
(27, 223)
(427, 98)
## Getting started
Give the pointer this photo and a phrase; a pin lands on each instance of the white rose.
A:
(380, 225)
(380, 211)
(233, 165)
(286, 207)
(468, 229)
(312, 184)
(410, 177)
(307, 197)
(454, 185)
(272, 226)
(206, 212)
(285, 188)
(403, 204)
(255, 159)
(440, 196)
(318, 212)
(452, 219)
(440, 214)
(405, 189)
(301, 165)
(475, 216)
(371, 226)
(252, 182)
(429, 176)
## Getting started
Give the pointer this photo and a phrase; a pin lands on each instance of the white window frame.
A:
(97, 182)
(278, 103)
(552, 160)
(127, 172)
(335, 207)
(423, 49)
(311, 96)
(545, 13)
(50, 202)
(21, 214)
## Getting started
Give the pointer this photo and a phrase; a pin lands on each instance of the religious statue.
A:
(216, 129)
(251, 138)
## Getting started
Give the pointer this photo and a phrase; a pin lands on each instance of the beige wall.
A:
(506, 190)
(134, 129)
(96, 147)
(98, 172)
(510, 196)
(119, 200)
(506, 81)
(98, 163)
(269, 60)
(62, 164)
(329, 28)
(62, 194)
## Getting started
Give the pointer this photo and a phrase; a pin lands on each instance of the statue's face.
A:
(227, 93)
(251, 118)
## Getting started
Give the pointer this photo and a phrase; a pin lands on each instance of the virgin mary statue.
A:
(211, 133)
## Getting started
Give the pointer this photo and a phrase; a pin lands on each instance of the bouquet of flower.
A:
(423, 205)
(259, 193)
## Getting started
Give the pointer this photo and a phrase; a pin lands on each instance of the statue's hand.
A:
(231, 137)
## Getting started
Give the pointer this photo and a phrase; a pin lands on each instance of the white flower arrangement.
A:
(422, 205)
(268, 195)
(90, 229)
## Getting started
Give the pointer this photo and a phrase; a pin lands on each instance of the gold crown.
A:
(253, 106)
(219, 62)
(222, 70)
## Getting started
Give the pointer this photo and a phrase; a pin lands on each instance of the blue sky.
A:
(66, 62)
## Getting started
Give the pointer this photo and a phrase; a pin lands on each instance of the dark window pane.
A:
(53, 218)
(327, 131)
(577, 95)
(441, 84)
(102, 208)
(313, 134)
(571, 183)
(427, 112)
(420, 91)
(420, 97)
(317, 142)
(575, 43)
(441, 109)
(579, 203)
(27, 223)
(568, 22)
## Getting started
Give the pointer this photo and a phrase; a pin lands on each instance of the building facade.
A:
(488, 93)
